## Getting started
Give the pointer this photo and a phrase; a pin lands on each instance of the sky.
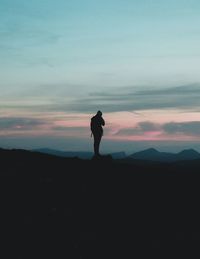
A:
(136, 61)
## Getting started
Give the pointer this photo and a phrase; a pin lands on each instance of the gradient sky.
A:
(137, 61)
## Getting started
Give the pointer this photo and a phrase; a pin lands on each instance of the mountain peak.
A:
(147, 154)
(187, 151)
(152, 150)
(148, 151)
(188, 154)
(154, 155)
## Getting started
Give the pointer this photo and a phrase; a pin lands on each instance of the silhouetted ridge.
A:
(79, 154)
(57, 207)
(150, 154)
(118, 155)
(188, 154)
(153, 155)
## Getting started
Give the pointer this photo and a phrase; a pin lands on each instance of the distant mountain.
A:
(79, 154)
(118, 155)
(83, 155)
(152, 154)
(188, 154)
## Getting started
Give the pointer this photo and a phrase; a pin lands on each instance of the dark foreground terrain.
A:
(53, 207)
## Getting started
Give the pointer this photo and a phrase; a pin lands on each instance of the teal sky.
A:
(76, 56)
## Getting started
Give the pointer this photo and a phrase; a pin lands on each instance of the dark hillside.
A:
(54, 207)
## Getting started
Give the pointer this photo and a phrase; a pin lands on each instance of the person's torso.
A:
(96, 124)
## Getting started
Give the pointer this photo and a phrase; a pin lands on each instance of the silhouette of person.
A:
(97, 131)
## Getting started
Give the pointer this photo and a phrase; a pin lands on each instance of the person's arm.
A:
(102, 122)
(91, 127)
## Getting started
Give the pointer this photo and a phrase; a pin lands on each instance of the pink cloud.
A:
(145, 126)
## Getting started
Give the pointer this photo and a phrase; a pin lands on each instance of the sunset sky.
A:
(136, 61)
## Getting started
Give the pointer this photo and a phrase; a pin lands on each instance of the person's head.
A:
(99, 113)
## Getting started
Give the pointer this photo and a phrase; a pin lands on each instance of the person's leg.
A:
(97, 139)
(96, 146)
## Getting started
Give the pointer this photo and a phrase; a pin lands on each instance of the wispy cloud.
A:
(14, 123)
(167, 129)
(61, 125)
(177, 90)
(57, 99)
(140, 129)
(188, 128)
(71, 129)
(123, 99)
